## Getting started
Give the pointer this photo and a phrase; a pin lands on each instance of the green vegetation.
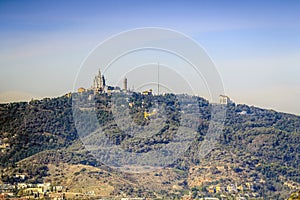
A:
(32, 127)
(256, 144)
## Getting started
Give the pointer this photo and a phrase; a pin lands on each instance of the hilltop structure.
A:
(125, 84)
(99, 85)
(224, 100)
(81, 90)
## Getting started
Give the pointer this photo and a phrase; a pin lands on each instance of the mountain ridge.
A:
(257, 145)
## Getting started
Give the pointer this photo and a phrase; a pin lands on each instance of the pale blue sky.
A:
(255, 45)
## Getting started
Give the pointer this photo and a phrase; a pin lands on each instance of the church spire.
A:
(99, 82)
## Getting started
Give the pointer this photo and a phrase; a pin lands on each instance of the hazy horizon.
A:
(254, 45)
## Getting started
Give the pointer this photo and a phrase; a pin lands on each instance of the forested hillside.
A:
(257, 147)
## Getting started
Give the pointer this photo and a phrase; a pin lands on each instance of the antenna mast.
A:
(158, 78)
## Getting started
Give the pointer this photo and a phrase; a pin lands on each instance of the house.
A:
(131, 104)
(57, 196)
(219, 189)
(90, 193)
(6, 188)
(211, 189)
(224, 100)
(81, 90)
(147, 92)
(58, 188)
(68, 95)
(231, 188)
(4, 145)
(242, 112)
(21, 185)
(241, 188)
(250, 186)
(20, 176)
(111, 90)
(33, 190)
(44, 186)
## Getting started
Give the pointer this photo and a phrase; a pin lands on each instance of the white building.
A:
(224, 100)
(99, 83)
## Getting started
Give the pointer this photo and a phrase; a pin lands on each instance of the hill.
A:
(256, 155)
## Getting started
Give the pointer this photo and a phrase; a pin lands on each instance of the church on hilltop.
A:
(99, 85)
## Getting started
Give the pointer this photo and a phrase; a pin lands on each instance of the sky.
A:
(255, 45)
